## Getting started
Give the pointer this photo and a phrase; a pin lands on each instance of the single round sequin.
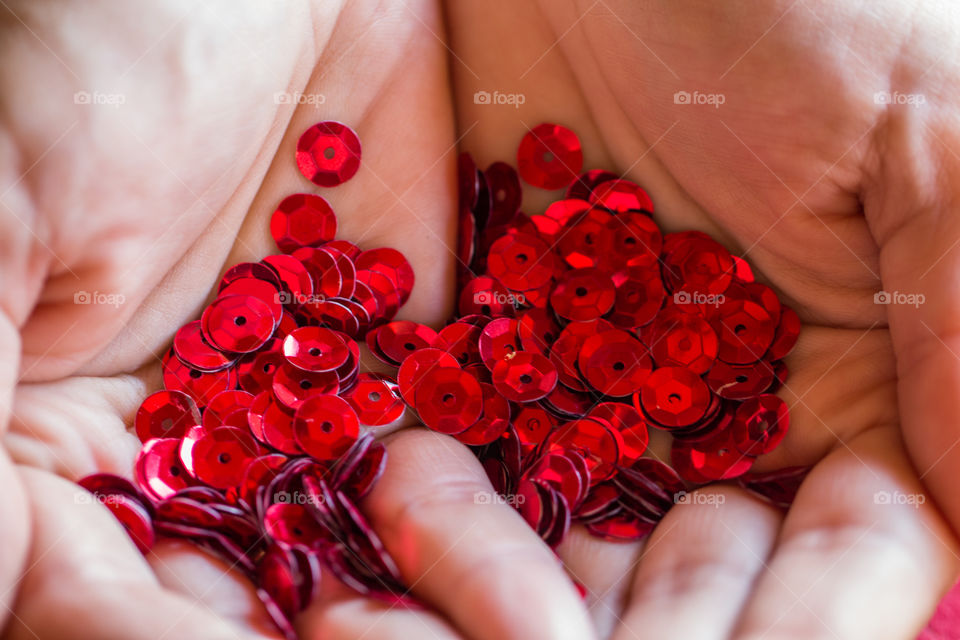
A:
(302, 220)
(549, 156)
(760, 425)
(328, 153)
(398, 339)
(375, 400)
(524, 376)
(238, 324)
(521, 262)
(583, 294)
(681, 339)
(673, 397)
(159, 470)
(166, 414)
(326, 426)
(448, 400)
(193, 350)
(498, 340)
(315, 349)
(745, 331)
(614, 363)
(219, 457)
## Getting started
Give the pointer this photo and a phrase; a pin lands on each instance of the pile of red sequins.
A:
(578, 330)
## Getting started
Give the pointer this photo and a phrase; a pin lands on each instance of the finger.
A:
(698, 567)
(340, 614)
(862, 552)
(210, 581)
(480, 564)
(604, 569)
(86, 580)
(909, 205)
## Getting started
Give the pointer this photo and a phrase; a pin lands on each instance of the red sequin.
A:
(549, 156)
(328, 153)
(326, 426)
(449, 400)
(302, 220)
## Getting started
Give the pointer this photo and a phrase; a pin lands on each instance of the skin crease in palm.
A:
(831, 192)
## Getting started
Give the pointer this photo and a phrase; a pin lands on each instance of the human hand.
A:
(796, 159)
(140, 193)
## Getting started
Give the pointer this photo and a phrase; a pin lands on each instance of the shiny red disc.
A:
(238, 324)
(614, 362)
(326, 426)
(673, 397)
(328, 153)
(220, 457)
(583, 294)
(760, 425)
(315, 349)
(549, 156)
(166, 414)
(524, 376)
(449, 400)
(193, 350)
(498, 340)
(375, 400)
(302, 220)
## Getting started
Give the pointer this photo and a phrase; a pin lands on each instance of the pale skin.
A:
(830, 193)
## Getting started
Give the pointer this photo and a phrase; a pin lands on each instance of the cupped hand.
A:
(818, 140)
(168, 174)
(143, 151)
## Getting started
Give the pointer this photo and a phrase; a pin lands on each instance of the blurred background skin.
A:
(143, 147)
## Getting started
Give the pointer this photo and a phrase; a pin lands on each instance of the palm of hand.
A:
(788, 195)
